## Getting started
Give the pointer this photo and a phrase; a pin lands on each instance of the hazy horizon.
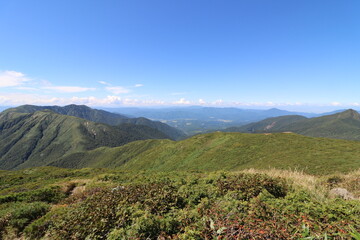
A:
(303, 109)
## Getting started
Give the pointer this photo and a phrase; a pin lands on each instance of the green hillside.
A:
(343, 125)
(172, 132)
(226, 151)
(37, 139)
(100, 116)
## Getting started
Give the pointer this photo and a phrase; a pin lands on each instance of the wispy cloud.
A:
(104, 83)
(113, 101)
(218, 102)
(13, 99)
(12, 79)
(336, 104)
(68, 89)
(117, 90)
(19, 81)
(355, 104)
(27, 88)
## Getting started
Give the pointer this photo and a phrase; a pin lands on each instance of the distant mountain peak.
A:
(76, 105)
(350, 113)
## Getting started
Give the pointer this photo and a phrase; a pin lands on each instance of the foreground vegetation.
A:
(54, 203)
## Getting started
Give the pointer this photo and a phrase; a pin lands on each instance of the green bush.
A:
(18, 216)
(38, 228)
(49, 194)
(251, 185)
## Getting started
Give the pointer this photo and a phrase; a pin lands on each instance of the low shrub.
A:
(49, 194)
(181, 206)
(18, 216)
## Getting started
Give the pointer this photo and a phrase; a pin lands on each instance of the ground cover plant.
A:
(113, 204)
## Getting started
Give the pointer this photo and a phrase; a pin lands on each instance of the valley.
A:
(285, 177)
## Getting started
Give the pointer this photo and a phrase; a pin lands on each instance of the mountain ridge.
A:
(343, 125)
(101, 116)
(225, 151)
(35, 139)
(199, 119)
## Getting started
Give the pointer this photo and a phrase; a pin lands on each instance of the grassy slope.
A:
(36, 139)
(227, 151)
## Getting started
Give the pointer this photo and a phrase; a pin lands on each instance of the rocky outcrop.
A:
(341, 193)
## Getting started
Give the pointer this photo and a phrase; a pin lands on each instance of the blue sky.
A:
(245, 53)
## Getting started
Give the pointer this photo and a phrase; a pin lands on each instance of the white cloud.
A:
(218, 102)
(10, 99)
(117, 90)
(14, 99)
(336, 104)
(12, 79)
(182, 101)
(139, 85)
(68, 89)
(115, 101)
(202, 101)
(270, 104)
(104, 83)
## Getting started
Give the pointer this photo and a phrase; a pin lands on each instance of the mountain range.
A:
(75, 137)
(100, 116)
(195, 119)
(207, 113)
(38, 138)
(342, 125)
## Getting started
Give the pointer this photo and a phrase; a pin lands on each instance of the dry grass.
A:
(69, 187)
(299, 179)
(318, 186)
(350, 181)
